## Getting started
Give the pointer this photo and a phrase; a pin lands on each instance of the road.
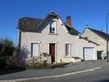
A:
(101, 75)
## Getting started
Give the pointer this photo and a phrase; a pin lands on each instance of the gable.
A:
(98, 33)
(32, 24)
(47, 24)
(90, 35)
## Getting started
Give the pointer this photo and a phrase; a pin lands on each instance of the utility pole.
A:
(107, 34)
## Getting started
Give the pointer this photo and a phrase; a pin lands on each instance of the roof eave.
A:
(88, 40)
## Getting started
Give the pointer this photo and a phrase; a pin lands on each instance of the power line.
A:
(72, 3)
(65, 7)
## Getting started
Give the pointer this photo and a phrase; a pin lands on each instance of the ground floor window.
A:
(34, 49)
(67, 49)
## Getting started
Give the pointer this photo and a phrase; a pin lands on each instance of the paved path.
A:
(54, 72)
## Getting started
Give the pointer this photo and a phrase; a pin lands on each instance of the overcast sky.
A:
(91, 12)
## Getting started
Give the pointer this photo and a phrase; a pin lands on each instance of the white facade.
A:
(43, 38)
(100, 39)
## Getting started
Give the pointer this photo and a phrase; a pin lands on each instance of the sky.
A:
(82, 12)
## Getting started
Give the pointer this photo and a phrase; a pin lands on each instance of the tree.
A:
(7, 48)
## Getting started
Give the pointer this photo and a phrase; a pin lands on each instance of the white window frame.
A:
(68, 53)
(53, 27)
(38, 49)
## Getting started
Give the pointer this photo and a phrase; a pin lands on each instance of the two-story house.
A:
(51, 35)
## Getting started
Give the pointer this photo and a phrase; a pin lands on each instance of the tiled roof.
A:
(31, 24)
(28, 23)
(72, 30)
(100, 33)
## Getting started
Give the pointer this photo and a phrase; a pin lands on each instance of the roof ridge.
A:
(98, 30)
(31, 17)
(52, 11)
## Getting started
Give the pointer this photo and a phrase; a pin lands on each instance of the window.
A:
(34, 49)
(53, 27)
(67, 49)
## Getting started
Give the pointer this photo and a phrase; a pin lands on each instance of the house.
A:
(99, 37)
(51, 35)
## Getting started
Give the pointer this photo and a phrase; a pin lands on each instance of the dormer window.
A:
(53, 27)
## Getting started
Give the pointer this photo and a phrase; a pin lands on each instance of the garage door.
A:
(89, 53)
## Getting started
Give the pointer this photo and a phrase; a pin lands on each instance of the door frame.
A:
(55, 50)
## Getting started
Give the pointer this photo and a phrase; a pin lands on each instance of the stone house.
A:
(52, 36)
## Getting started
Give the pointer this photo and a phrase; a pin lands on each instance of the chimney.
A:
(68, 20)
(87, 26)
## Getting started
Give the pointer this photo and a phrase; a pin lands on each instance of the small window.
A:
(34, 49)
(67, 49)
(53, 27)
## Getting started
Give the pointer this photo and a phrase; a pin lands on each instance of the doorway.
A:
(52, 52)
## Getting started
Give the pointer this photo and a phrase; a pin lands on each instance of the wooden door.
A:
(52, 52)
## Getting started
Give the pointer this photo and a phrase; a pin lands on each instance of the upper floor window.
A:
(53, 27)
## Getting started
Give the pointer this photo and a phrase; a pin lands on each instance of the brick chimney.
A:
(68, 20)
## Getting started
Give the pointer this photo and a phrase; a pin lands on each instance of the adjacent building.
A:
(99, 37)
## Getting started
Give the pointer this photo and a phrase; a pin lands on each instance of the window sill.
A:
(67, 56)
(53, 34)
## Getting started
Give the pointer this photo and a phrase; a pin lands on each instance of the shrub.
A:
(6, 47)
(7, 50)
(37, 63)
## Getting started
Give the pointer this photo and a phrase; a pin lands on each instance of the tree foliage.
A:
(6, 47)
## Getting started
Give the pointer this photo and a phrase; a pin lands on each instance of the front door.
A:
(52, 52)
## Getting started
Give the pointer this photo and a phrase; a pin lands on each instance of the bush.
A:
(37, 65)
(8, 52)
(6, 47)
(13, 60)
